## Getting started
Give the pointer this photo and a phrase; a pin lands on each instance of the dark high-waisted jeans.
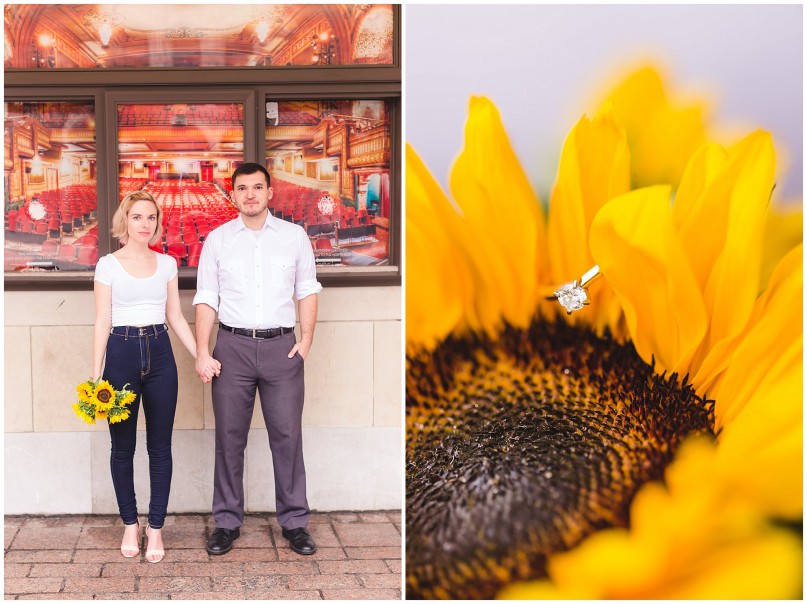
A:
(142, 357)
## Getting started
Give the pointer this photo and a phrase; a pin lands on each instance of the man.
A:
(248, 272)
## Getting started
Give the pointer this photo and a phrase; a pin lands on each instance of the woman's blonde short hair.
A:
(119, 230)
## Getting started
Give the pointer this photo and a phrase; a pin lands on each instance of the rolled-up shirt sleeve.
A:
(305, 277)
(207, 277)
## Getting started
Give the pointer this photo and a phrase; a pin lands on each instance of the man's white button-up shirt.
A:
(249, 277)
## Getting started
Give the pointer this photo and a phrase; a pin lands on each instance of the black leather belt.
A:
(257, 334)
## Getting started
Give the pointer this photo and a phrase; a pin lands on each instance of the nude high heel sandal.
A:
(154, 552)
(130, 551)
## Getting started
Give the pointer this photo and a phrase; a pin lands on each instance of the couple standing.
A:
(249, 271)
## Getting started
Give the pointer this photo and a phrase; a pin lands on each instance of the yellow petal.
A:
(734, 280)
(594, 168)
(436, 273)
(767, 566)
(535, 590)
(689, 539)
(503, 222)
(661, 137)
(719, 215)
(608, 564)
(783, 231)
(774, 328)
(760, 452)
(700, 174)
(635, 245)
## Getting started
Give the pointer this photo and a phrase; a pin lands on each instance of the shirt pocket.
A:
(281, 272)
(232, 277)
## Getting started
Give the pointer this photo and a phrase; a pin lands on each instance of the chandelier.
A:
(104, 24)
(265, 20)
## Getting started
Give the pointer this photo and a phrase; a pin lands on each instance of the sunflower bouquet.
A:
(99, 400)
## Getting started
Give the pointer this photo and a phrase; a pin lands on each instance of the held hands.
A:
(207, 367)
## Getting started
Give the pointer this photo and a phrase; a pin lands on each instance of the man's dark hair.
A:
(249, 168)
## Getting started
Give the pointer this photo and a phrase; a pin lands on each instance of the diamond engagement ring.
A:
(573, 296)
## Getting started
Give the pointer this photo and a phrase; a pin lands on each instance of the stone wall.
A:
(55, 463)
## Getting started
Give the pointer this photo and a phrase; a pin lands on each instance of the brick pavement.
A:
(77, 558)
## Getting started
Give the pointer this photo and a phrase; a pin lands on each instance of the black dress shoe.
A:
(300, 541)
(221, 541)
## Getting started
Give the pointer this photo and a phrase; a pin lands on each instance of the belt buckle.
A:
(254, 332)
(141, 331)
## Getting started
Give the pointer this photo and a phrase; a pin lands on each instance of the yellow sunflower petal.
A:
(687, 540)
(783, 231)
(105, 385)
(734, 280)
(774, 328)
(719, 215)
(594, 168)
(760, 453)
(767, 566)
(635, 245)
(661, 137)
(700, 174)
(503, 221)
(537, 590)
(85, 392)
(436, 298)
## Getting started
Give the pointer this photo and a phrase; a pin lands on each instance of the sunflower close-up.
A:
(648, 445)
(104, 397)
(85, 392)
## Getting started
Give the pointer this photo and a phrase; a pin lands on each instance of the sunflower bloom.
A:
(118, 414)
(104, 396)
(85, 392)
(82, 413)
(638, 449)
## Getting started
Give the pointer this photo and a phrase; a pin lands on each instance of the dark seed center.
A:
(104, 396)
(521, 447)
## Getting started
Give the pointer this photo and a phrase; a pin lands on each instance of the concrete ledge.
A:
(68, 472)
(48, 473)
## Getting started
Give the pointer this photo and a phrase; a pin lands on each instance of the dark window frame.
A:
(251, 85)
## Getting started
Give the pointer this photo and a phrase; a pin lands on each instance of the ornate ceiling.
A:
(195, 35)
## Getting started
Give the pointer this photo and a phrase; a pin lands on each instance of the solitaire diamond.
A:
(571, 296)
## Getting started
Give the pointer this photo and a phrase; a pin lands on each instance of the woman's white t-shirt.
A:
(136, 301)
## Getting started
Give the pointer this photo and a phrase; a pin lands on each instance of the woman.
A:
(136, 292)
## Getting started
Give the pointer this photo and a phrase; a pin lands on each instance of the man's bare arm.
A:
(307, 309)
(206, 365)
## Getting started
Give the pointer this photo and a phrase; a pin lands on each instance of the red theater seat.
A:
(88, 255)
(178, 250)
(50, 247)
(194, 252)
(173, 237)
(67, 252)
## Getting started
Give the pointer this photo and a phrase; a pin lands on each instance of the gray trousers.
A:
(248, 364)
